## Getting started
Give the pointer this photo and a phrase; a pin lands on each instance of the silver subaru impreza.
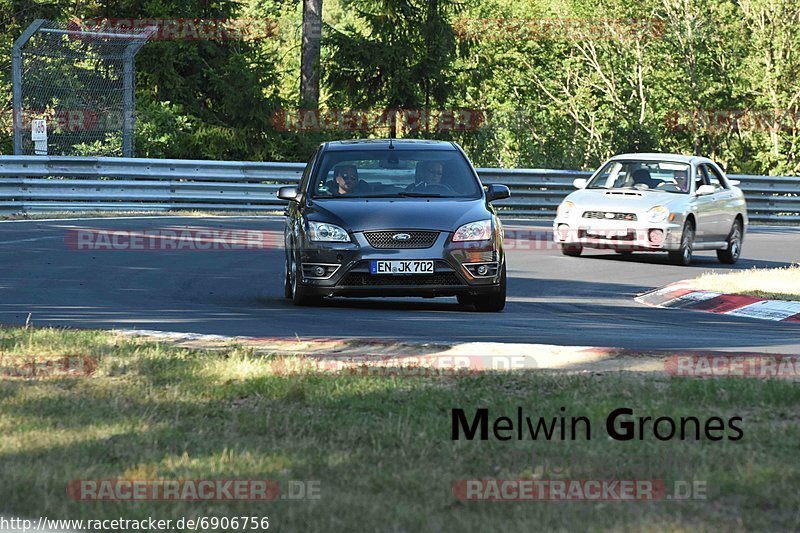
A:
(654, 202)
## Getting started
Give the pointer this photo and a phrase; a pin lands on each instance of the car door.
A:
(704, 205)
(725, 204)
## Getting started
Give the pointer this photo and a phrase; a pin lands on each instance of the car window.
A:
(394, 173)
(663, 176)
(714, 177)
(307, 171)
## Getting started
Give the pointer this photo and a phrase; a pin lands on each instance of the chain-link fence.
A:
(81, 83)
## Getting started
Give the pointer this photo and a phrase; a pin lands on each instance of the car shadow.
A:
(698, 261)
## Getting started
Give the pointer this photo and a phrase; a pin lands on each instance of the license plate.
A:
(606, 233)
(401, 267)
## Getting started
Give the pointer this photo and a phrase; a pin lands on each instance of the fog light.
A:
(656, 236)
(563, 232)
(482, 270)
(319, 271)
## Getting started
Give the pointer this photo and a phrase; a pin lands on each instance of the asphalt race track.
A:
(553, 299)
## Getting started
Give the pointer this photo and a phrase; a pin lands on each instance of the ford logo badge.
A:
(401, 237)
(610, 215)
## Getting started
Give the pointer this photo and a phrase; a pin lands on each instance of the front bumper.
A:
(618, 234)
(348, 273)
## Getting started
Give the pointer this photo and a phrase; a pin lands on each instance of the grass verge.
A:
(379, 447)
(769, 283)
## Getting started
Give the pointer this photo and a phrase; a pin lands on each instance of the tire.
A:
(572, 250)
(731, 254)
(683, 256)
(287, 279)
(493, 303)
(297, 290)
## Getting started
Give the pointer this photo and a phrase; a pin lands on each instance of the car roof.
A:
(654, 156)
(383, 144)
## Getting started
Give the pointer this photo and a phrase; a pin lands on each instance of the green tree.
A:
(399, 56)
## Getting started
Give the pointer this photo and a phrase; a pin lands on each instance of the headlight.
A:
(564, 209)
(322, 232)
(657, 214)
(474, 231)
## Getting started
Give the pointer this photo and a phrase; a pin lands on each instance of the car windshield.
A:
(663, 176)
(394, 174)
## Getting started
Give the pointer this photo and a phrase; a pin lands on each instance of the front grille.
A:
(617, 216)
(364, 279)
(417, 239)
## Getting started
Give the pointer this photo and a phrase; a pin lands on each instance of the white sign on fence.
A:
(39, 136)
(38, 129)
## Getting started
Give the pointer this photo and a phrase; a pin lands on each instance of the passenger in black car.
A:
(346, 181)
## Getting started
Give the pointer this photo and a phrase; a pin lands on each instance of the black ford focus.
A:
(393, 218)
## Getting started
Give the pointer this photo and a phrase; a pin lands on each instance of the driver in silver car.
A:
(642, 177)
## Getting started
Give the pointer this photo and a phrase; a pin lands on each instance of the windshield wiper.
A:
(394, 195)
(420, 195)
(345, 196)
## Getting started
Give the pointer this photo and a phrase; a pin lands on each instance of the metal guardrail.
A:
(35, 184)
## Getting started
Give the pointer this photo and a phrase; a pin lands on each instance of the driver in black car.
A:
(428, 174)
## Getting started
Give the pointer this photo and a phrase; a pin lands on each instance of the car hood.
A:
(360, 214)
(622, 200)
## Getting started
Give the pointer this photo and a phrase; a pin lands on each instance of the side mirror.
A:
(497, 192)
(288, 192)
(734, 183)
(705, 190)
(579, 183)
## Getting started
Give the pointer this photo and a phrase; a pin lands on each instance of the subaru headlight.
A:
(474, 231)
(565, 209)
(323, 232)
(657, 214)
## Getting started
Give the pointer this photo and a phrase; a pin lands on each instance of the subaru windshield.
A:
(643, 175)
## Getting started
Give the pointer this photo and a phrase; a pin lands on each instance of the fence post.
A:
(16, 82)
(127, 100)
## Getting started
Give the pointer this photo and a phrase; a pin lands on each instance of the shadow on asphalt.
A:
(561, 313)
(698, 261)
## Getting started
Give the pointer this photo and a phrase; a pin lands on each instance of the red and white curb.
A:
(682, 295)
(372, 357)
